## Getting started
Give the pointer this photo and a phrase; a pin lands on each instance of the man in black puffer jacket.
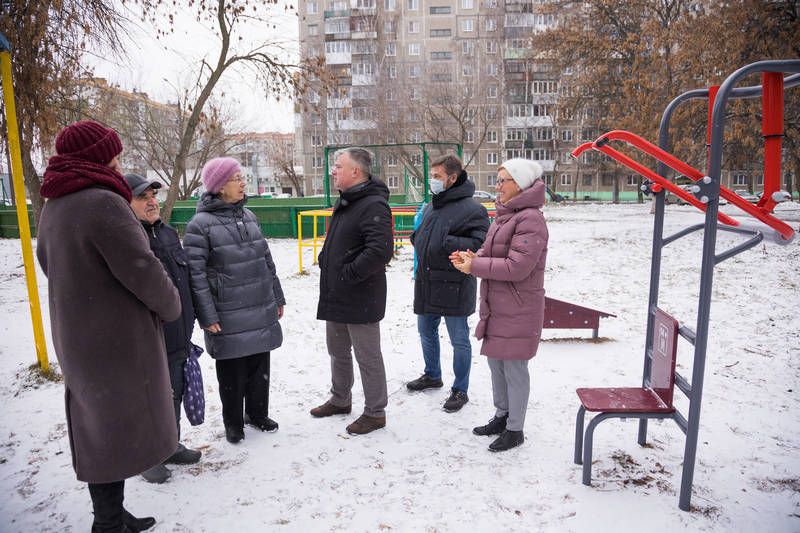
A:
(166, 246)
(352, 288)
(453, 221)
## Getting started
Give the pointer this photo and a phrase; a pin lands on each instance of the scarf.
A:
(66, 174)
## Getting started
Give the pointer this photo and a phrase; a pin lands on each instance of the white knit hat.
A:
(523, 171)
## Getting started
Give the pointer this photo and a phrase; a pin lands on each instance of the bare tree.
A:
(281, 157)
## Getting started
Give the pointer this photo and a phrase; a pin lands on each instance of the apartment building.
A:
(452, 71)
(267, 161)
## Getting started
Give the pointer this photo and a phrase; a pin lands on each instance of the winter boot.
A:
(507, 440)
(137, 524)
(495, 426)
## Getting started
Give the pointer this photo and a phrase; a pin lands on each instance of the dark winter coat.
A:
(233, 277)
(453, 221)
(511, 267)
(358, 245)
(108, 295)
(166, 245)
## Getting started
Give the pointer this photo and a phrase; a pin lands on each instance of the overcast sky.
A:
(150, 61)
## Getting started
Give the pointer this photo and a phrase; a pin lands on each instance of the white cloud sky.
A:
(177, 59)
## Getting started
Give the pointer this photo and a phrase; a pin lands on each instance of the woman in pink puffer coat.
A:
(511, 267)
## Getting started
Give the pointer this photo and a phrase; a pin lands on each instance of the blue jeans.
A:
(458, 329)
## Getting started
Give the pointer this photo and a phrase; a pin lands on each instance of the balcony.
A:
(364, 35)
(337, 13)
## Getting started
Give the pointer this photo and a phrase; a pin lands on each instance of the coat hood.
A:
(372, 186)
(210, 203)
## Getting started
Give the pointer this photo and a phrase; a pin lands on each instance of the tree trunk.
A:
(32, 181)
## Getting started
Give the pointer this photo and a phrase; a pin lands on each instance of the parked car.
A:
(778, 196)
(752, 198)
(484, 197)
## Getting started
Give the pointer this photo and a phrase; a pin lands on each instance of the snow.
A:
(426, 471)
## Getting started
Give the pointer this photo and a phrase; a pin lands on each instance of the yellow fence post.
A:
(22, 205)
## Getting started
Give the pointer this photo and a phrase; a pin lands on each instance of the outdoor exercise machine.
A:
(22, 205)
(654, 398)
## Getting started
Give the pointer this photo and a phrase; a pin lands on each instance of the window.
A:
(740, 179)
(391, 160)
(416, 159)
(413, 71)
(415, 93)
(491, 136)
(388, 5)
(490, 4)
(392, 71)
(333, 47)
(548, 179)
(608, 180)
(413, 49)
(312, 7)
(316, 162)
(362, 68)
(313, 29)
(588, 157)
(466, 70)
(413, 5)
(389, 27)
(491, 113)
(441, 55)
(491, 24)
(440, 10)
(413, 26)
(316, 118)
(362, 113)
(760, 180)
(391, 50)
(441, 33)
(491, 180)
(587, 180)
(415, 137)
(469, 137)
(491, 47)
(337, 26)
(566, 179)
(541, 154)
(413, 116)
(633, 180)
(467, 4)
(393, 182)
(316, 140)
(491, 69)
(491, 158)
(544, 87)
(566, 158)
(587, 135)
(391, 95)
(566, 135)
(491, 91)
(469, 92)
(467, 25)
(339, 5)
(467, 48)
(543, 134)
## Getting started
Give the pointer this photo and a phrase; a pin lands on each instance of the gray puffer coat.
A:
(233, 277)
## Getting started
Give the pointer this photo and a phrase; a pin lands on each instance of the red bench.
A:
(653, 400)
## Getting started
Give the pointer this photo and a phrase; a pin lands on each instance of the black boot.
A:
(262, 423)
(234, 434)
(107, 505)
(507, 440)
(137, 524)
(496, 426)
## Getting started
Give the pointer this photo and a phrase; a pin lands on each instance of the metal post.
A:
(22, 205)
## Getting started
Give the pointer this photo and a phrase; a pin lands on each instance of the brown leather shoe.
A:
(365, 424)
(328, 409)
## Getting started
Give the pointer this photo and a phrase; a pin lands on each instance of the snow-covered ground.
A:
(426, 471)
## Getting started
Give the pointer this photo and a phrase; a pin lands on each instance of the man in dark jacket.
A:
(352, 288)
(167, 248)
(452, 221)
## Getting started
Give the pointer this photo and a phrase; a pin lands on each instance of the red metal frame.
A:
(760, 212)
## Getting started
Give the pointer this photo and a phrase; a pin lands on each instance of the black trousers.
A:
(107, 501)
(176, 380)
(244, 380)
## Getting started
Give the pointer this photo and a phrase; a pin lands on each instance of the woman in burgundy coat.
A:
(511, 267)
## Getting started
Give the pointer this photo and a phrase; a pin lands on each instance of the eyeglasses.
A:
(502, 181)
(236, 180)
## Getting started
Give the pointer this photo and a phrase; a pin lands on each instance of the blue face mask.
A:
(436, 186)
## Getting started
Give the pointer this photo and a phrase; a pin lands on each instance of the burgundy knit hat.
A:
(90, 141)
(218, 171)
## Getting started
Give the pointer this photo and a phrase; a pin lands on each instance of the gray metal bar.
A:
(726, 92)
(680, 420)
(683, 385)
(687, 333)
(579, 435)
(739, 248)
(683, 233)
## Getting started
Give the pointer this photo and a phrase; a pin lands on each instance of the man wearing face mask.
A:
(452, 221)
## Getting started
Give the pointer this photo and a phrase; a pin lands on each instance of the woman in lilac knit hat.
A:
(237, 296)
